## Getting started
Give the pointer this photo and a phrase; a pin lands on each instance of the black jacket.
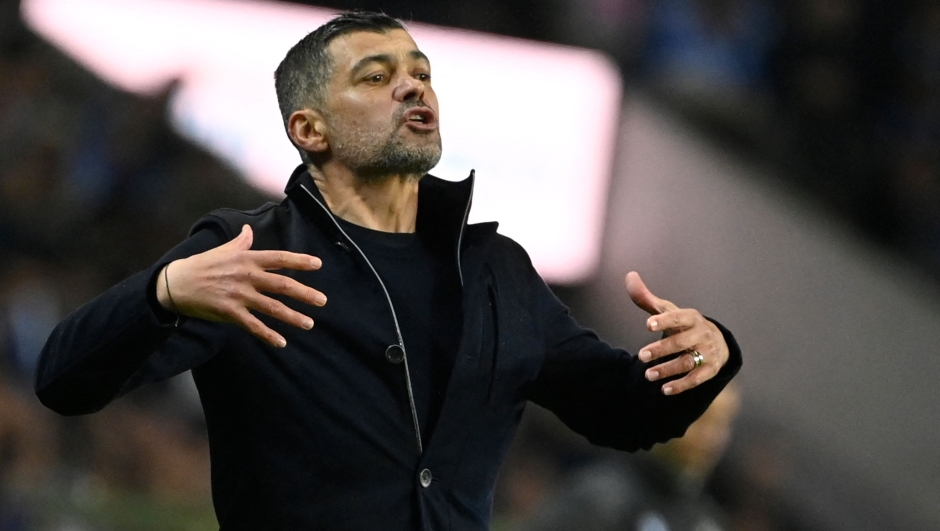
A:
(322, 434)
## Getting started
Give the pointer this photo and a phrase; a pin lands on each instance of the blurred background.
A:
(777, 166)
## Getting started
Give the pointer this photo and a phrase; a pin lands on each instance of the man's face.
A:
(380, 109)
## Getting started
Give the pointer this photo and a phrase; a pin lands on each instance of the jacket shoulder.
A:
(512, 269)
(509, 253)
(229, 221)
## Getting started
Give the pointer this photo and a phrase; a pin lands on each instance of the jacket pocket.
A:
(492, 323)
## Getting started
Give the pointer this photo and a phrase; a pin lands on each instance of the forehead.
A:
(346, 50)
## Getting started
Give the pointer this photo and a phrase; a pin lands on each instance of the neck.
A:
(387, 203)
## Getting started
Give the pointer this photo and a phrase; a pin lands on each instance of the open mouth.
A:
(421, 117)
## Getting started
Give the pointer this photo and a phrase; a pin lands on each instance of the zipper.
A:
(466, 216)
(388, 298)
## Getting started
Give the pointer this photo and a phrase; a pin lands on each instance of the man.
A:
(395, 409)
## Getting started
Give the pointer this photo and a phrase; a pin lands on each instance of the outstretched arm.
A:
(94, 353)
(613, 398)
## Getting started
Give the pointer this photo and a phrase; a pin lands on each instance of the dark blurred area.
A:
(94, 185)
(842, 96)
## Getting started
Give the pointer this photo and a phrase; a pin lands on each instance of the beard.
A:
(372, 154)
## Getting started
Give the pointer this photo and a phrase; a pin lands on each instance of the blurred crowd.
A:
(842, 96)
(94, 185)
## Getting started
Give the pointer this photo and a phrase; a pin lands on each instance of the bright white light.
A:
(537, 121)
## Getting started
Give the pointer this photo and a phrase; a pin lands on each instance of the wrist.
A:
(164, 293)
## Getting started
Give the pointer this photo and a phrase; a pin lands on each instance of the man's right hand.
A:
(224, 283)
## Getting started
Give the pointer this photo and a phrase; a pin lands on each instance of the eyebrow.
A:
(387, 59)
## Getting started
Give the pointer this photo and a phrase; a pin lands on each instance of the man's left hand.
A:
(685, 331)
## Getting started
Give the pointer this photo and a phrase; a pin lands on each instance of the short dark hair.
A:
(302, 76)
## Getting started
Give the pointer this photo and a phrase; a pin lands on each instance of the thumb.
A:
(643, 297)
(242, 242)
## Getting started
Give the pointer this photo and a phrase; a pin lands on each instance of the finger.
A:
(243, 241)
(666, 346)
(258, 329)
(680, 365)
(643, 297)
(279, 311)
(286, 260)
(694, 379)
(283, 285)
(672, 320)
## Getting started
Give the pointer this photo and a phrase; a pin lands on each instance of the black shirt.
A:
(425, 289)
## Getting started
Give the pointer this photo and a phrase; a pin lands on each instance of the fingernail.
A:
(645, 355)
(281, 342)
(652, 375)
(668, 391)
(320, 299)
(308, 324)
(653, 324)
(316, 262)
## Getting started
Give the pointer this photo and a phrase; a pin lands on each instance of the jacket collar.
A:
(443, 206)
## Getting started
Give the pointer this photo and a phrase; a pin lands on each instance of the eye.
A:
(423, 76)
(375, 78)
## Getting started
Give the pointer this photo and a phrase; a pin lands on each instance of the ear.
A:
(307, 129)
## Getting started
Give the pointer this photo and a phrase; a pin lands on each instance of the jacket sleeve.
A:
(601, 392)
(114, 343)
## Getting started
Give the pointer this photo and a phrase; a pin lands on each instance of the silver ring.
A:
(697, 358)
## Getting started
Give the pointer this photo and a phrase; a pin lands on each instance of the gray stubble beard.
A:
(373, 156)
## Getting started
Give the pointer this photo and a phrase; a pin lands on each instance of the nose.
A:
(408, 89)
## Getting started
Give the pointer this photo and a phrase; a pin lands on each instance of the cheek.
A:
(354, 108)
(352, 122)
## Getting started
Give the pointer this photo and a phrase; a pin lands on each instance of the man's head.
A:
(357, 91)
